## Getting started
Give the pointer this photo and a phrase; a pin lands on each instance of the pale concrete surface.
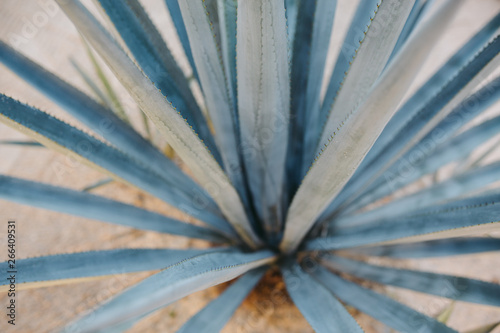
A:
(41, 232)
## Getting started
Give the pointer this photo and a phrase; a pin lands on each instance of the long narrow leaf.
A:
(350, 143)
(155, 59)
(441, 105)
(213, 317)
(170, 124)
(100, 119)
(368, 63)
(435, 84)
(461, 115)
(227, 16)
(380, 307)
(313, 30)
(482, 213)
(321, 309)
(402, 173)
(439, 248)
(352, 42)
(452, 188)
(95, 207)
(175, 14)
(171, 284)
(420, 8)
(33, 272)
(64, 138)
(202, 27)
(263, 103)
(453, 287)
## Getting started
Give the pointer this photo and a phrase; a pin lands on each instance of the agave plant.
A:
(283, 177)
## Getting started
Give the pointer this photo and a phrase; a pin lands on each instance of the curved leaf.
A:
(170, 285)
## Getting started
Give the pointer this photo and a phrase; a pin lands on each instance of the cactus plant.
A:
(281, 175)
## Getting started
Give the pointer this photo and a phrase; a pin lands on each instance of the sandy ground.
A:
(41, 232)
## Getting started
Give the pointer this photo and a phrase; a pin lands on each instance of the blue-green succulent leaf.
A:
(367, 65)
(461, 115)
(168, 121)
(435, 85)
(62, 268)
(430, 249)
(156, 61)
(456, 218)
(202, 25)
(96, 207)
(67, 139)
(172, 284)
(420, 8)
(312, 37)
(321, 309)
(352, 42)
(453, 287)
(227, 22)
(264, 104)
(380, 307)
(429, 106)
(454, 187)
(213, 317)
(351, 142)
(100, 119)
(175, 14)
(451, 150)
